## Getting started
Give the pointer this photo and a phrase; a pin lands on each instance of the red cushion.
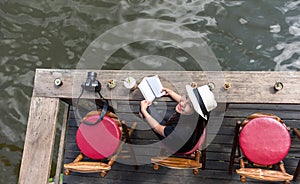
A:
(265, 141)
(100, 140)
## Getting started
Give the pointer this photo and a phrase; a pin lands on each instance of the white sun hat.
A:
(202, 98)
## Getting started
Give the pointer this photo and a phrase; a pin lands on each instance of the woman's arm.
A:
(150, 120)
(172, 94)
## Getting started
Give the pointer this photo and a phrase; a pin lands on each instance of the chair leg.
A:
(127, 134)
(297, 172)
(155, 167)
(103, 174)
(234, 147)
(242, 165)
(281, 166)
(195, 171)
(77, 159)
(127, 140)
(197, 155)
(203, 158)
(197, 158)
(227, 106)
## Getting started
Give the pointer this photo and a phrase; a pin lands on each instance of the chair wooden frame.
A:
(297, 171)
(259, 172)
(100, 166)
(191, 160)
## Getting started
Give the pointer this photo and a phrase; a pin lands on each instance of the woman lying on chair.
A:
(180, 128)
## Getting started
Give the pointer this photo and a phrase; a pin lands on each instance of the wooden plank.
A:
(243, 113)
(61, 144)
(276, 107)
(246, 86)
(39, 140)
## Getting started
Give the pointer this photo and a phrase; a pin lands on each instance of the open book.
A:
(151, 88)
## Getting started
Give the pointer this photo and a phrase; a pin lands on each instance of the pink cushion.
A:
(265, 141)
(100, 140)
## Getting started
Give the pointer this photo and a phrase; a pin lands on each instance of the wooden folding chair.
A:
(297, 171)
(261, 141)
(193, 159)
(100, 142)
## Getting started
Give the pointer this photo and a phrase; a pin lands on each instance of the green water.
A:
(244, 35)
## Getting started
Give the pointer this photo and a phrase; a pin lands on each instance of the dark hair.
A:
(198, 131)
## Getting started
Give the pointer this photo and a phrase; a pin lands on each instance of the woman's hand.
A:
(168, 91)
(150, 120)
(172, 94)
(144, 105)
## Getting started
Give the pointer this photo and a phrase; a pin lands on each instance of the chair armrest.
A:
(297, 132)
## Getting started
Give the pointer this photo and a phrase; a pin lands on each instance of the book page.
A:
(146, 90)
(155, 85)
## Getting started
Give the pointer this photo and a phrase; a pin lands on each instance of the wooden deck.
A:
(218, 152)
(247, 89)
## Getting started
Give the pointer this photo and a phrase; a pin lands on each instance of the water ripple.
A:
(244, 35)
(289, 41)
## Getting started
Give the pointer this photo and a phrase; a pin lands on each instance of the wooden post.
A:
(39, 140)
